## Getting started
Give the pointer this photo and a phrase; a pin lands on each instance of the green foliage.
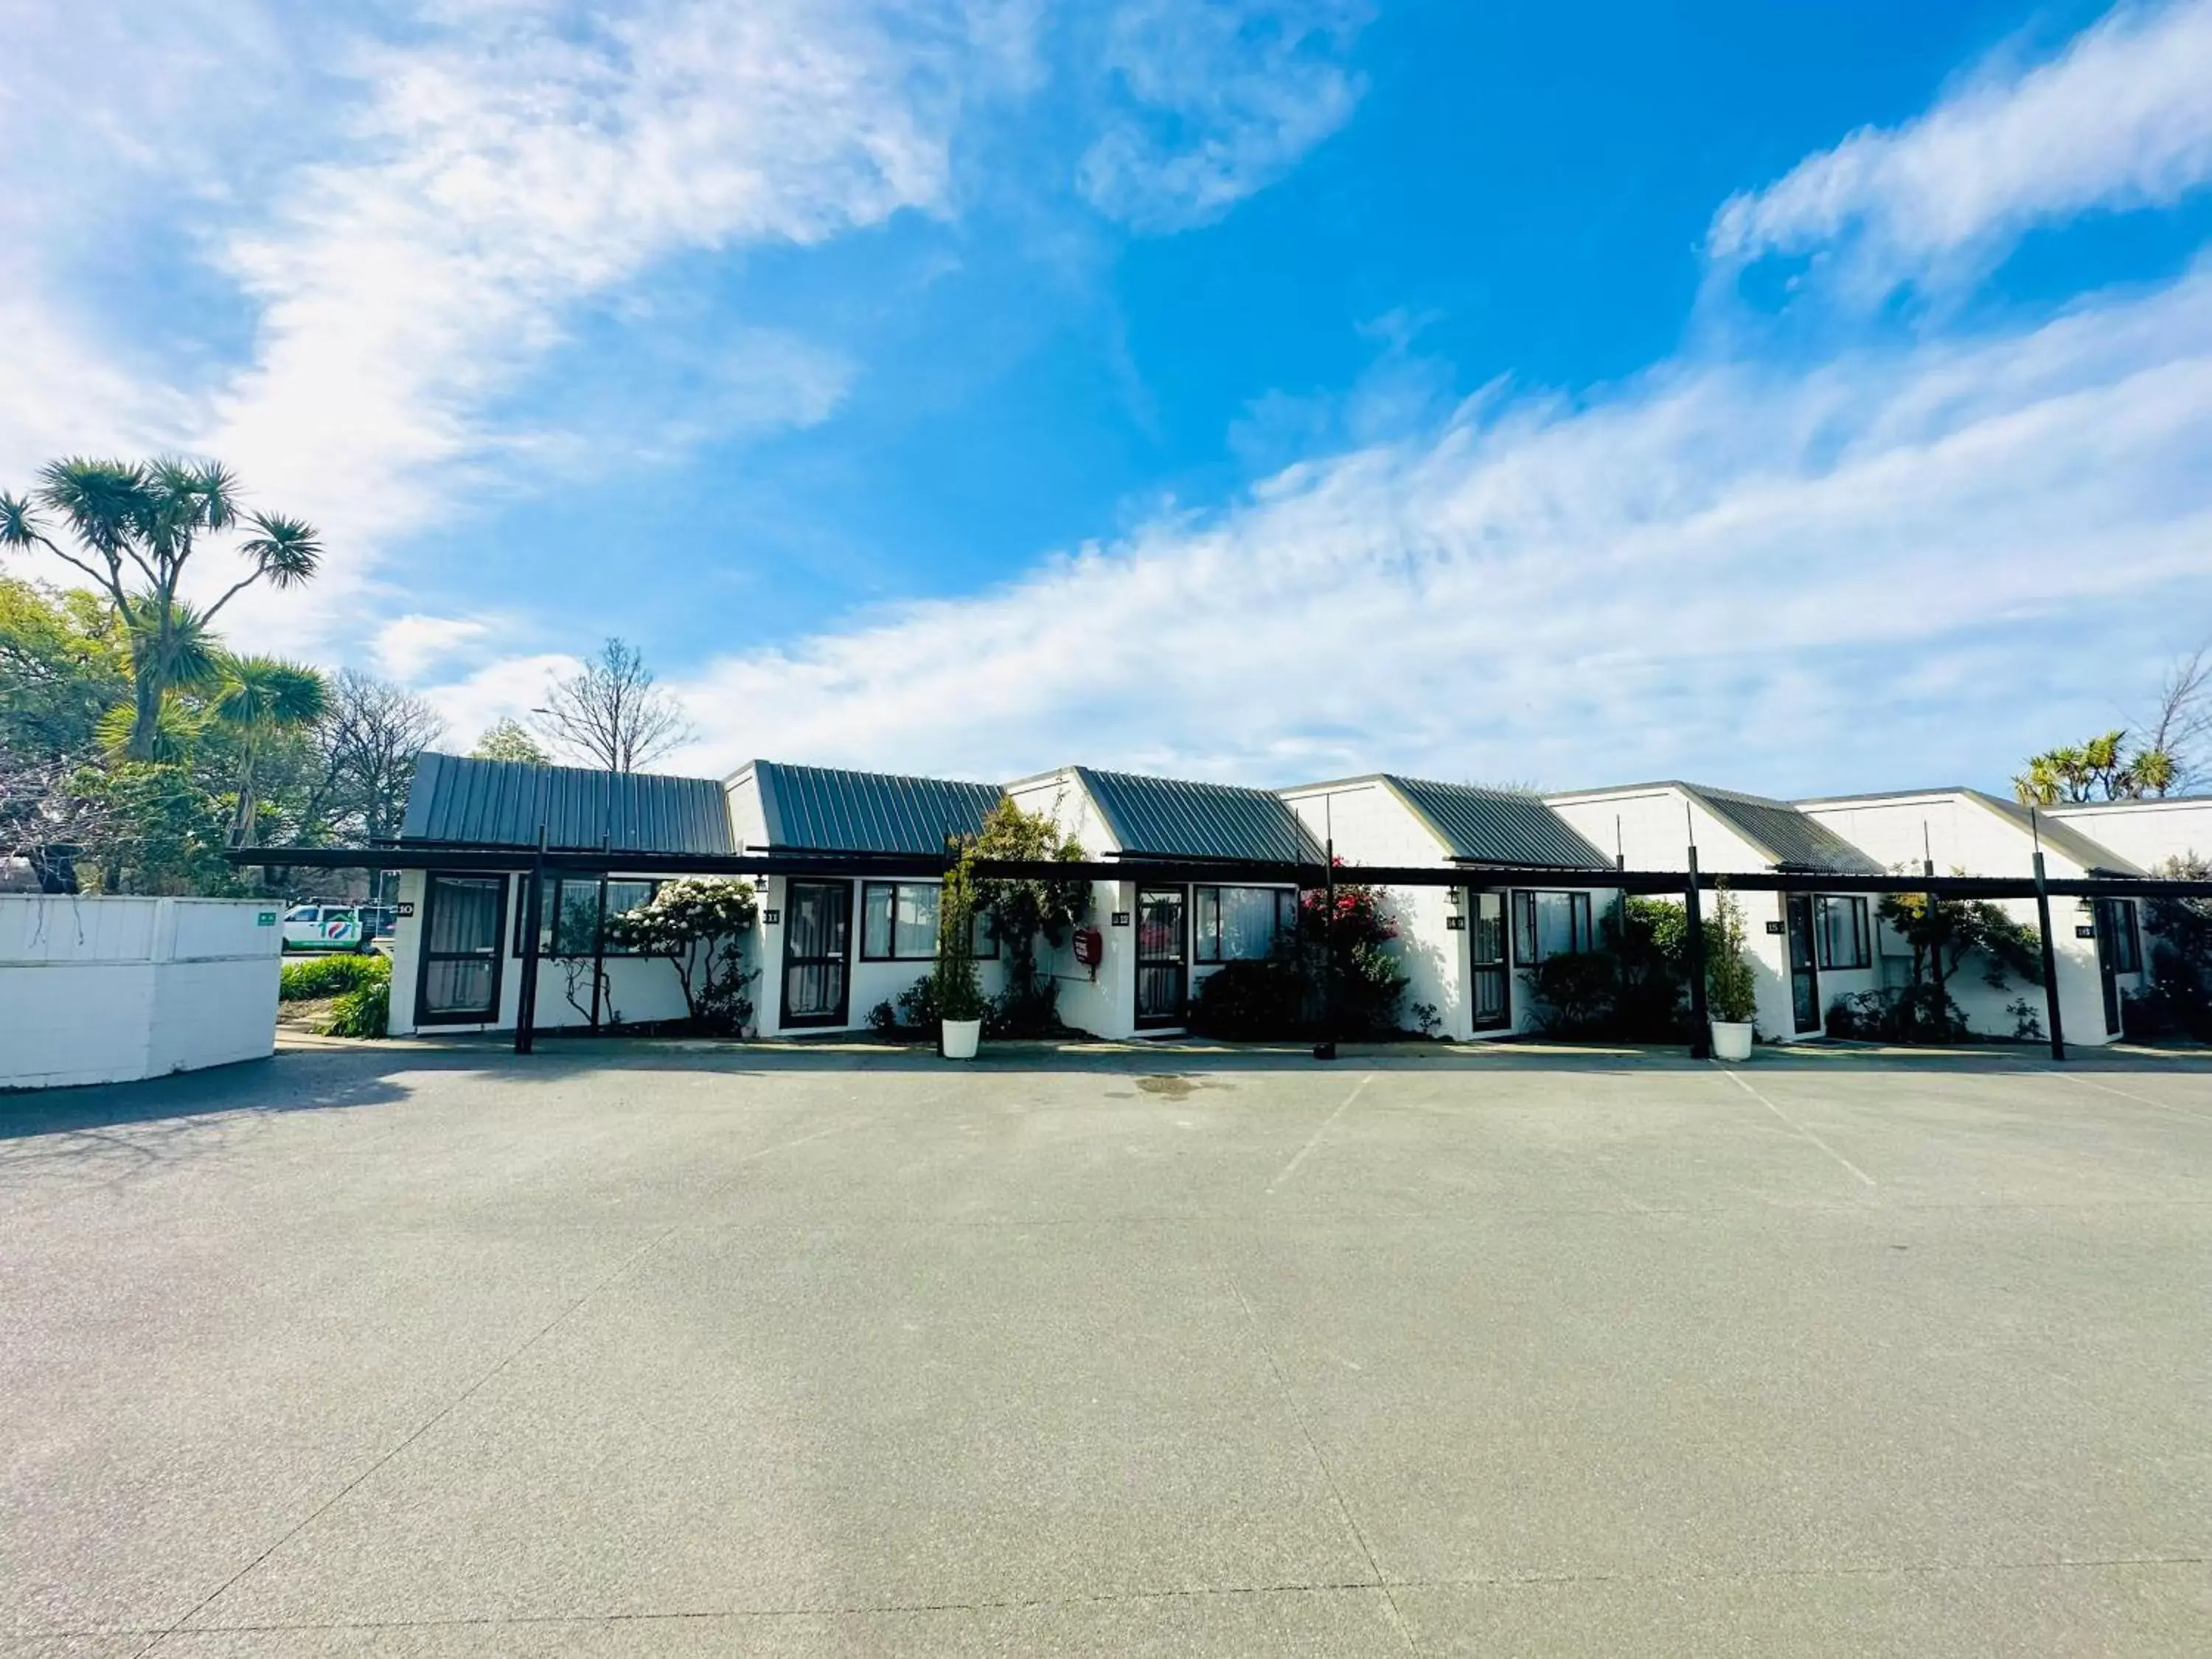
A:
(1731, 991)
(328, 976)
(913, 1016)
(1019, 912)
(2103, 768)
(700, 923)
(1252, 1001)
(2178, 1001)
(365, 1011)
(1367, 985)
(1580, 991)
(510, 740)
(955, 987)
(1942, 934)
(133, 527)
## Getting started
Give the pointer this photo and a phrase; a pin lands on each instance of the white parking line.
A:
(1291, 1168)
(1799, 1128)
(2140, 1100)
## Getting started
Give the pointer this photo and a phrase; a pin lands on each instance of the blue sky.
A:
(1802, 398)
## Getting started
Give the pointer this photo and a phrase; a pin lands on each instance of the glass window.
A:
(1840, 921)
(623, 897)
(1547, 924)
(2117, 919)
(1243, 924)
(304, 913)
(568, 921)
(898, 920)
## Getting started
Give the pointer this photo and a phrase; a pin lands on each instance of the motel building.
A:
(1466, 951)
(842, 862)
(1156, 935)
(2098, 943)
(1806, 949)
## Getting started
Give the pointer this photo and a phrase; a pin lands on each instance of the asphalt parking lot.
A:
(647, 1351)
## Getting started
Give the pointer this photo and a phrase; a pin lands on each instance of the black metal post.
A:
(533, 918)
(1326, 1049)
(1701, 1030)
(2049, 962)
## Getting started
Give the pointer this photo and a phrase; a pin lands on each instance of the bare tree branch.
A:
(611, 714)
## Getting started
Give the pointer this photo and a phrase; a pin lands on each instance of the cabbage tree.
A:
(134, 528)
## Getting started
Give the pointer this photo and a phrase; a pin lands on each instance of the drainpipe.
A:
(1701, 1030)
(533, 902)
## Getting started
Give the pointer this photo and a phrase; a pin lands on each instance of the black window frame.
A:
(1286, 918)
(1582, 924)
(1862, 929)
(982, 943)
(549, 913)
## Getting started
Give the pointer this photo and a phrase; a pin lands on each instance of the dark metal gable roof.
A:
(818, 809)
(1162, 818)
(1497, 826)
(458, 801)
(1790, 839)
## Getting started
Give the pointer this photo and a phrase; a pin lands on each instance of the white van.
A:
(324, 927)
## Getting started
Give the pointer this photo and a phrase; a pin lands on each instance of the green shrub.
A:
(362, 1012)
(330, 976)
(1580, 991)
(1250, 1002)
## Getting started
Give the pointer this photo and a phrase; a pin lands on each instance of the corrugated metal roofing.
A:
(460, 801)
(1497, 826)
(817, 809)
(1162, 817)
(1792, 840)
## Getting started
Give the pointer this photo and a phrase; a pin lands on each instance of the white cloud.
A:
(1222, 98)
(506, 690)
(1717, 569)
(407, 645)
(413, 220)
(2121, 118)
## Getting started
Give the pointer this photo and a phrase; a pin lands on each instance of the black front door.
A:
(1492, 1005)
(817, 936)
(1163, 960)
(1804, 972)
(464, 923)
(2110, 944)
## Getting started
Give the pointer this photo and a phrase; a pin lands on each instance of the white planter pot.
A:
(961, 1036)
(1732, 1039)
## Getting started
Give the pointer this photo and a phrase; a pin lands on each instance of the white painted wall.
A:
(1655, 828)
(1964, 835)
(1101, 1001)
(640, 989)
(2146, 832)
(871, 982)
(110, 990)
(1370, 824)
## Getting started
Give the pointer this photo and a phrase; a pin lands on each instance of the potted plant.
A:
(959, 994)
(1731, 995)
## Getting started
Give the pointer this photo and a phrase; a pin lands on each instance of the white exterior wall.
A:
(111, 989)
(1101, 1001)
(869, 982)
(640, 989)
(1653, 828)
(1370, 824)
(2145, 832)
(1962, 835)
